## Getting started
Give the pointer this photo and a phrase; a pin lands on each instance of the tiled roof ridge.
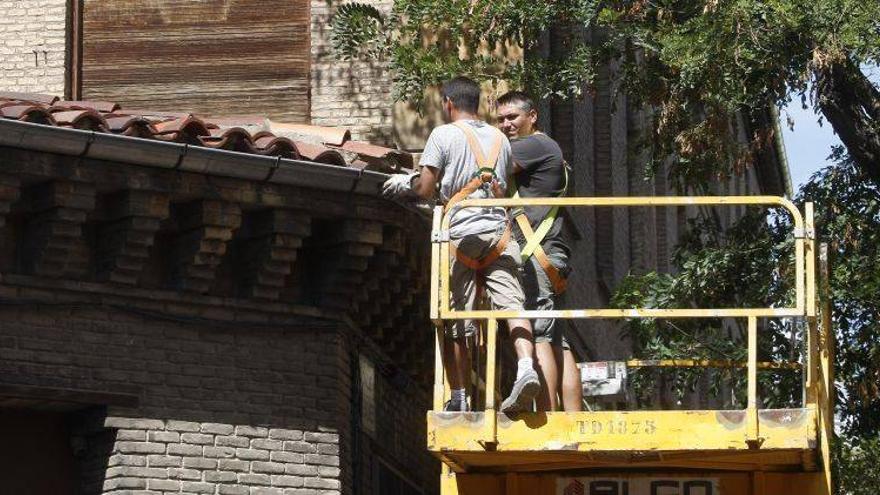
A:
(247, 134)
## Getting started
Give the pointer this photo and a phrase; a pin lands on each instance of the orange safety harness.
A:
(482, 177)
(556, 278)
(534, 238)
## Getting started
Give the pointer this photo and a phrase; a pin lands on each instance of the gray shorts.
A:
(541, 296)
(501, 279)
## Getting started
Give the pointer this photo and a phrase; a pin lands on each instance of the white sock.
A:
(523, 366)
(459, 394)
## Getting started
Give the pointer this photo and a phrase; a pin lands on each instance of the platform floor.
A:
(535, 442)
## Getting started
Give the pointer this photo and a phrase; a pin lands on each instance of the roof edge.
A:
(183, 157)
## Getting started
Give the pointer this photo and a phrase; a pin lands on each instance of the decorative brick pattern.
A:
(376, 293)
(205, 227)
(347, 253)
(54, 238)
(271, 241)
(32, 45)
(125, 239)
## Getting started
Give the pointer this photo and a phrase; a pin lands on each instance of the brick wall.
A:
(351, 94)
(397, 442)
(223, 410)
(32, 45)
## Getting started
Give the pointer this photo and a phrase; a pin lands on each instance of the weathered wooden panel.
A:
(211, 57)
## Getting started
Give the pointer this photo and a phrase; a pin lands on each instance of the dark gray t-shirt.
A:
(542, 175)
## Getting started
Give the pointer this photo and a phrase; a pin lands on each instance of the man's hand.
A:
(399, 187)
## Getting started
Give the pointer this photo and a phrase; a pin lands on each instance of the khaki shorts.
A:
(501, 279)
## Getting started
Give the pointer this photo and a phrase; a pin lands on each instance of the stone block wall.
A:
(239, 410)
(352, 94)
(32, 46)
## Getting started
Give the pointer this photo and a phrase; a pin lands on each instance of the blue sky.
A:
(809, 144)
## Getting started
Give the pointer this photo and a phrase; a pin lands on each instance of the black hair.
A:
(523, 100)
(463, 92)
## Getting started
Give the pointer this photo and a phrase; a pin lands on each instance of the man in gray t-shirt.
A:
(448, 152)
(471, 159)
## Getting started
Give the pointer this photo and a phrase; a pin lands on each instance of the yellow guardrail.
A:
(804, 302)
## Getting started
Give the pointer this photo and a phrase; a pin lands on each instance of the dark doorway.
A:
(35, 453)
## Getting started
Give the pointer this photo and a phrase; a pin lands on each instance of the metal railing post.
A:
(752, 405)
(812, 355)
(491, 346)
(436, 270)
(440, 383)
(825, 368)
(810, 258)
(434, 310)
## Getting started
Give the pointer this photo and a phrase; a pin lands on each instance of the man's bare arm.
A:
(425, 185)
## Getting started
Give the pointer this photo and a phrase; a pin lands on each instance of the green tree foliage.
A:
(695, 62)
(857, 466)
(698, 65)
(848, 207)
(748, 265)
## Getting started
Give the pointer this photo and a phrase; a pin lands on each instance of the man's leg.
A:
(505, 291)
(457, 361)
(527, 385)
(546, 365)
(572, 390)
(456, 355)
(539, 296)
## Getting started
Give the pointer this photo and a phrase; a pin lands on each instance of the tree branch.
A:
(851, 104)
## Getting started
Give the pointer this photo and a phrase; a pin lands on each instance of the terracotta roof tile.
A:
(269, 144)
(81, 119)
(101, 106)
(252, 134)
(28, 113)
(320, 154)
(34, 97)
(130, 125)
(324, 135)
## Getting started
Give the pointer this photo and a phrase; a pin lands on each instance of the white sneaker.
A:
(523, 393)
(453, 405)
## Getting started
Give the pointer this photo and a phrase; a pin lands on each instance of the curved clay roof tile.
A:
(320, 154)
(81, 119)
(28, 113)
(327, 135)
(185, 130)
(233, 139)
(270, 144)
(130, 125)
(100, 106)
(32, 97)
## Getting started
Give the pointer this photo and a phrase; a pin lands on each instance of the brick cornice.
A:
(195, 245)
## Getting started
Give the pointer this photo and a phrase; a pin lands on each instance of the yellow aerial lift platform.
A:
(695, 452)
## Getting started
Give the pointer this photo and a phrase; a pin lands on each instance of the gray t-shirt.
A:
(447, 151)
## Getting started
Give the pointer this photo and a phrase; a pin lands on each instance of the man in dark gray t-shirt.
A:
(540, 171)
